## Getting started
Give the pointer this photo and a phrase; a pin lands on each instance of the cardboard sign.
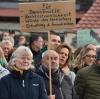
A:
(43, 16)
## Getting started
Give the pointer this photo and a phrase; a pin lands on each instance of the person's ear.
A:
(14, 61)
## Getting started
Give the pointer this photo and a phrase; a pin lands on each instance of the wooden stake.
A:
(50, 78)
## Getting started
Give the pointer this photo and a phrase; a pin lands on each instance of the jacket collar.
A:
(27, 74)
(57, 77)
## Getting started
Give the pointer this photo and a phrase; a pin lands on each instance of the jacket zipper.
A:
(23, 83)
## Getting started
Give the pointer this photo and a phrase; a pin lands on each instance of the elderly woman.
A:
(21, 83)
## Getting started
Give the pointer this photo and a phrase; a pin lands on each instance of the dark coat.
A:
(61, 85)
(87, 82)
(37, 56)
(28, 86)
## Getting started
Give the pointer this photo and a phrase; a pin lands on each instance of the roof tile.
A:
(11, 12)
(92, 18)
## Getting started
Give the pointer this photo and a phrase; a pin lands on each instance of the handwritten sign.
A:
(41, 16)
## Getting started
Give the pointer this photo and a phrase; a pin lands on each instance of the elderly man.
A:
(7, 46)
(61, 84)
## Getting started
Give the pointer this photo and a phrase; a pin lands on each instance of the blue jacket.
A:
(28, 86)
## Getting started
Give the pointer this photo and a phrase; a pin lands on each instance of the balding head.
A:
(53, 57)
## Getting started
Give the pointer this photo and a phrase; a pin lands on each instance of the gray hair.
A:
(47, 52)
(11, 39)
(6, 42)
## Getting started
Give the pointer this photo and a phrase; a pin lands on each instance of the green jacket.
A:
(3, 62)
(87, 83)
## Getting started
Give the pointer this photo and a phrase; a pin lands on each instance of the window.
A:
(77, 6)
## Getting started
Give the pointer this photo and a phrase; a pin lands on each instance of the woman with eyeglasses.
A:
(87, 82)
(85, 58)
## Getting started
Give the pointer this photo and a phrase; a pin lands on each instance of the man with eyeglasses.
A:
(87, 82)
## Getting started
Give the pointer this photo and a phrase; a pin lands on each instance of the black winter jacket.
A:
(28, 86)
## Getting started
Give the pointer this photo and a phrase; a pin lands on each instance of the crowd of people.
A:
(25, 68)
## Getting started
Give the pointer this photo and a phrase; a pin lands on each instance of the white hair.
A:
(21, 50)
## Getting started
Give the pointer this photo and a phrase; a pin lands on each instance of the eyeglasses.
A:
(91, 56)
